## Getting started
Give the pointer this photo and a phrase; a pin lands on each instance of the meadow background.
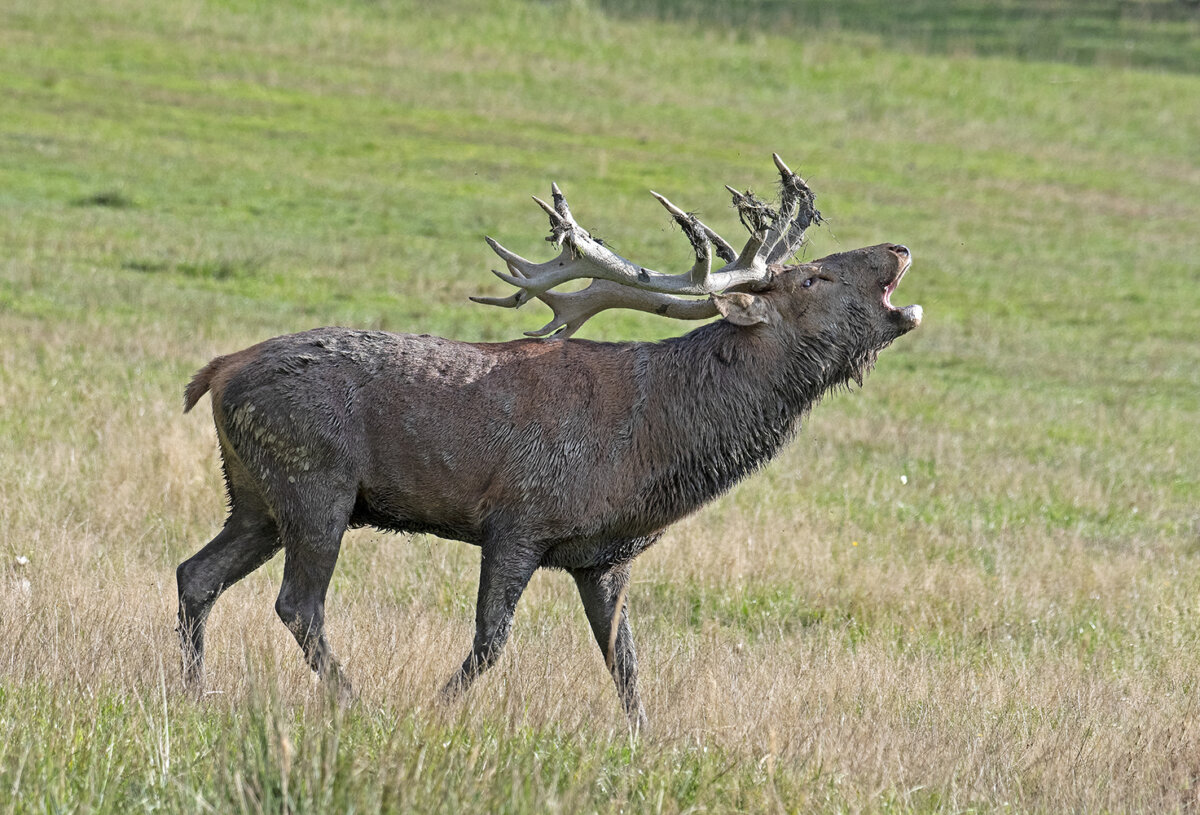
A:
(971, 586)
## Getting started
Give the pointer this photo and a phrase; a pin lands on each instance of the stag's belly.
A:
(502, 480)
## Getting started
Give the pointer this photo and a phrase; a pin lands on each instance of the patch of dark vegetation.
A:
(215, 269)
(112, 199)
(145, 266)
(219, 269)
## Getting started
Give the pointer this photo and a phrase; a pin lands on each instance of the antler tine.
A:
(561, 220)
(697, 234)
(720, 245)
(512, 259)
(797, 212)
(556, 220)
(754, 215)
(514, 300)
(560, 225)
(560, 202)
(519, 269)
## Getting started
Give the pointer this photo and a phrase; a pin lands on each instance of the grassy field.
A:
(970, 586)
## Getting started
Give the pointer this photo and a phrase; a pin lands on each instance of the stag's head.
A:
(846, 297)
(842, 300)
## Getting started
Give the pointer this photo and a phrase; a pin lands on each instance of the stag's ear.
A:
(743, 308)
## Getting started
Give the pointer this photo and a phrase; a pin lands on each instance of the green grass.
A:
(1010, 626)
(1141, 33)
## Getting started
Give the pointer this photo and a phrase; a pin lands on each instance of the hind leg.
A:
(603, 595)
(311, 546)
(248, 540)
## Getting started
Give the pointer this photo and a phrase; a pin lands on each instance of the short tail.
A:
(200, 383)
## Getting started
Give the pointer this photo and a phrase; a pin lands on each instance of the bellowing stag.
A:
(561, 453)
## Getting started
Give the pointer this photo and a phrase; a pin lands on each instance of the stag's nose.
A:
(900, 249)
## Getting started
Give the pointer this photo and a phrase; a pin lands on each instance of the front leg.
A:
(603, 593)
(504, 572)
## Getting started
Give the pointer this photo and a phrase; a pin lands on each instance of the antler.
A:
(620, 283)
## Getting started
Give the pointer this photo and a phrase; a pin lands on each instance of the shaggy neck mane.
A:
(739, 398)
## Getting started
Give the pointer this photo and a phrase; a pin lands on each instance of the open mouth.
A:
(911, 314)
(891, 287)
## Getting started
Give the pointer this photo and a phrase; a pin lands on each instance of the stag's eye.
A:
(808, 282)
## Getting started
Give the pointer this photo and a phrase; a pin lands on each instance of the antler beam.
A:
(620, 283)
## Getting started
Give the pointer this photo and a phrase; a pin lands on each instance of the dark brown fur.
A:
(569, 454)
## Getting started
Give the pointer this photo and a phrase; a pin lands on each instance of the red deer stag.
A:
(561, 453)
